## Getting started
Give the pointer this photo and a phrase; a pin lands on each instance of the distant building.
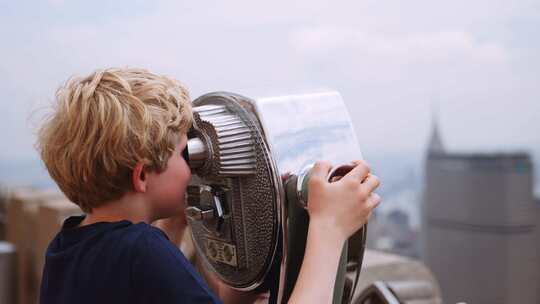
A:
(479, 226)
(392, 233)
(399, 218)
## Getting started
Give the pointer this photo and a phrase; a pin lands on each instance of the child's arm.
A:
(336, 211)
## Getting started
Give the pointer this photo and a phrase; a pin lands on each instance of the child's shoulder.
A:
(121, 242)
(140, 238)
(107, 235)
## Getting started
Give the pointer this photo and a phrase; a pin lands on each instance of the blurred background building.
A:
(479, 225)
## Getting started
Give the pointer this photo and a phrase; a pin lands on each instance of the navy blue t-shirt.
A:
(118, 262)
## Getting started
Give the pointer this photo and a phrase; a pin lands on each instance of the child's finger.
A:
(373, 201)
(335, 178)
(359, 172)
(371, 182)
(320, 170)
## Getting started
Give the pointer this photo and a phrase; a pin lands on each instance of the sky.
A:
(474, 64)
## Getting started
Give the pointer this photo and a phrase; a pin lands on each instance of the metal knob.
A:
(300, 185)
(209, 209)
(197, 152)
(197, 214)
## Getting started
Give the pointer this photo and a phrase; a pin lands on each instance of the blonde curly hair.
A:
(103, 125)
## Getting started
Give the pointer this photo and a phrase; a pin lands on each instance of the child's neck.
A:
(131, 207)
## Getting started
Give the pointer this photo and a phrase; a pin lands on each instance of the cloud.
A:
(413, 47)
(56, 3)
(388, 59)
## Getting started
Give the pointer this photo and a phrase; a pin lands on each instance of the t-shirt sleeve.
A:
(161, 273)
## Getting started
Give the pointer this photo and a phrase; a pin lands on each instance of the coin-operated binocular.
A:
(246, 203)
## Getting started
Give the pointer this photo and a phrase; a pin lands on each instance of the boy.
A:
(114, 146)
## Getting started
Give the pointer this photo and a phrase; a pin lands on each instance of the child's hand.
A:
(340, 208)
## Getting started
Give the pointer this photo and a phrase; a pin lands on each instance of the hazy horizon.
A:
(472, 64)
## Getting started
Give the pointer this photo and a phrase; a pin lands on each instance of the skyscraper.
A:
(479, 231)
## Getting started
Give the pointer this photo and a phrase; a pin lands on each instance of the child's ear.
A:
(138, 178)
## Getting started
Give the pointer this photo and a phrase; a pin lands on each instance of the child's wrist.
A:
(327, 230)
